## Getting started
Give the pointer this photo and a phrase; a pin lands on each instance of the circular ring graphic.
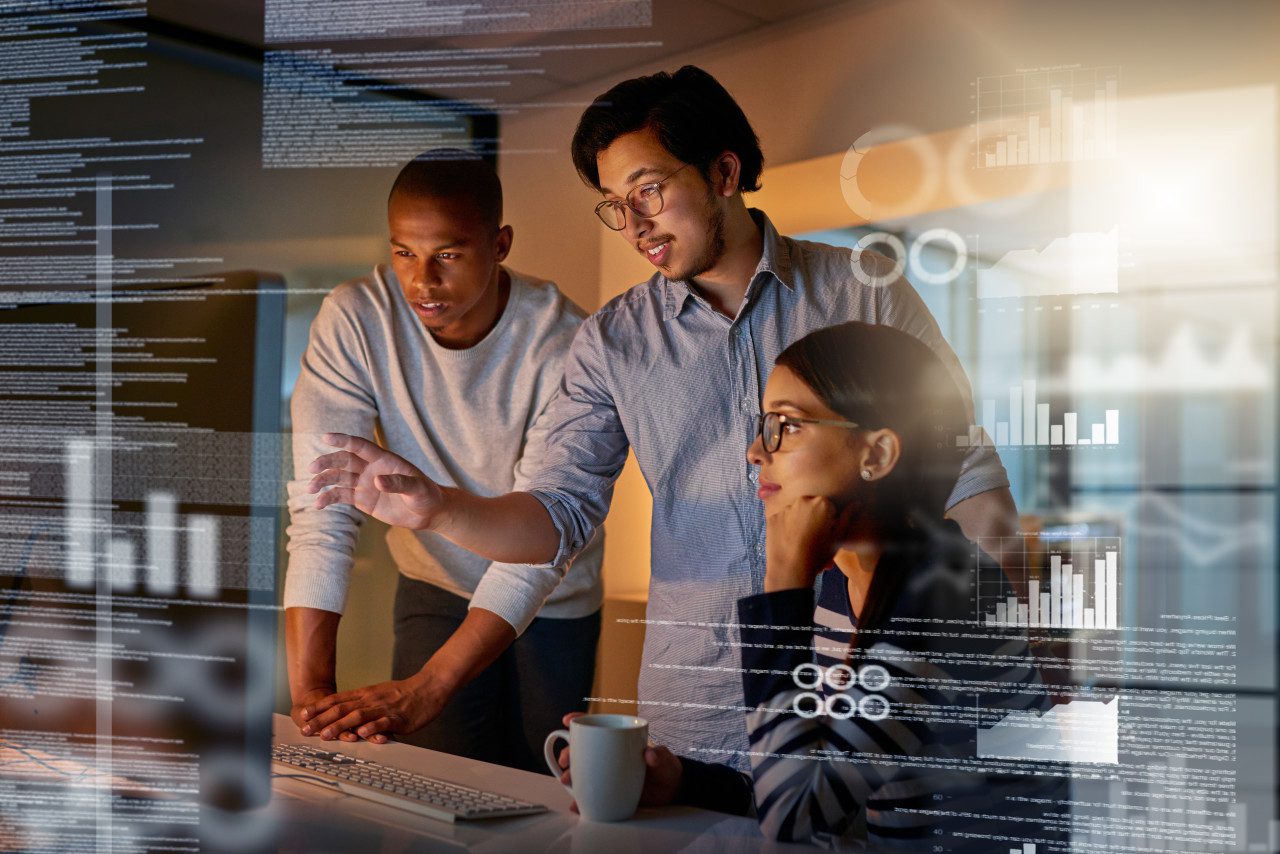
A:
(818, 705)
(873, 677)
(926, 190)
(878, 278)
(807, 666)
(873, 707)
(946, 235)
(851, 708)
(839, 676)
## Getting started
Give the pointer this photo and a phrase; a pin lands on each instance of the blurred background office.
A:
(1084, 195)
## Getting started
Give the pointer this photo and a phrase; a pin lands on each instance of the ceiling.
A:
(678, 26)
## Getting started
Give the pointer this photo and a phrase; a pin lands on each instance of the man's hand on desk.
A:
(310, 698)
(306, 700)
(376, 481)
(311, 635)
(663, 772)
(401, 705)
(375, 711)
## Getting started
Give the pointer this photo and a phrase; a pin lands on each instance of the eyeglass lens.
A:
(771, 431)
(613, 215)
(645, 200)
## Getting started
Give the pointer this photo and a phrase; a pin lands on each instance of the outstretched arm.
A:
(512, 528)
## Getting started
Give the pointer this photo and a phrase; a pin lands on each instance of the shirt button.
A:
(753, 475)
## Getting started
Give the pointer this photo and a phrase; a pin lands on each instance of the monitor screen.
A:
(140, 487)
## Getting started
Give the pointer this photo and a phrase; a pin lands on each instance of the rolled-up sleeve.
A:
(517, 592)
(330, 395)
(586, 446)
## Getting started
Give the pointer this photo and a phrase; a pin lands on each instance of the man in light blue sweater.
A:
(450, 359)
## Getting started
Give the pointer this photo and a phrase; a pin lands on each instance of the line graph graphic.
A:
(1081, 263)
(1076, 731)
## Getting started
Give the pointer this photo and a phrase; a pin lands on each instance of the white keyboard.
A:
(396, 787)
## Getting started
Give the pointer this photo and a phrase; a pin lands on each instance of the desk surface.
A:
(311, 818)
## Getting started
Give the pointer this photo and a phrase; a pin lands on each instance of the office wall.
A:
(814, 85)
(1185, 344)
(811, 86)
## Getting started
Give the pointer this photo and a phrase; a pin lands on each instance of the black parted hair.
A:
(453, 173)
(880, 377)
(693, 116)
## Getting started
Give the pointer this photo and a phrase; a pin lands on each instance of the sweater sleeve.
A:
(516, 592)
(332, 394)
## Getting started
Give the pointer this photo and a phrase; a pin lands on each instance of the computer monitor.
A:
(140, 486)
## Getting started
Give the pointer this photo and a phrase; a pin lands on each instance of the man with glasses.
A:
(672, 370)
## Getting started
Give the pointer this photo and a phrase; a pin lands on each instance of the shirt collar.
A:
(775, 262)
(776, 259)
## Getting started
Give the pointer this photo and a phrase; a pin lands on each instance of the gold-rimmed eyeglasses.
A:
(644, 200)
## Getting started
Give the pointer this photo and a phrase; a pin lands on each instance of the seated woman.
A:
(866, 699)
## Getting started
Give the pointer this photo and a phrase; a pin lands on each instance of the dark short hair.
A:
(690, 112)
(452, 173)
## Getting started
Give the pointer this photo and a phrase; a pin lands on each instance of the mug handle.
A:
(549, 754)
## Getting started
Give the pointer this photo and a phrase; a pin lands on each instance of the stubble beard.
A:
(715, 242)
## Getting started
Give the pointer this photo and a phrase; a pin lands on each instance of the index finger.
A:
(355, 444)
(315, 707)
(352, 695)
(345, 460)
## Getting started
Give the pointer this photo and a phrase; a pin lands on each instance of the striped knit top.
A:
(879, 745)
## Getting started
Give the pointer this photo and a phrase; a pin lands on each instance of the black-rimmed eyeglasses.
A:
(645, 200)
(769, 427)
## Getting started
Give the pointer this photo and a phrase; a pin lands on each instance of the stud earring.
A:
(866, 474)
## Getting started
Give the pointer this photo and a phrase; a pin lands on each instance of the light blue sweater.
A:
(467, 418)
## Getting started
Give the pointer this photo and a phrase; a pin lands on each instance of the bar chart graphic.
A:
(1029, 424)
(1065, 584)
(94, 548)
(1052, 116)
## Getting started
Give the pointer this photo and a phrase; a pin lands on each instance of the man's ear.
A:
(502, 243)
(725, 172)
(881, 453)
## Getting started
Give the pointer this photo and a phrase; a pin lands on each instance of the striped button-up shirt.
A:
(660, 371)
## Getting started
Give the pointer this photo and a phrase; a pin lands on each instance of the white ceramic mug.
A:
(606, 755)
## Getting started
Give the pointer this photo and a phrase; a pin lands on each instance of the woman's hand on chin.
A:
(801, 540)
